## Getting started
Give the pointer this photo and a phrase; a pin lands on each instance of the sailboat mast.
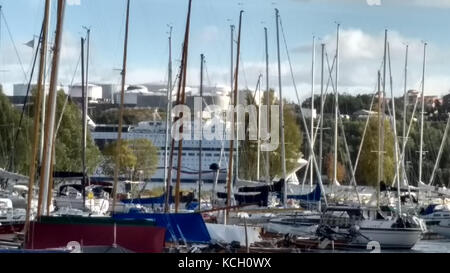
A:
(235, 92)
(394, 125)
(405, 107)
(383, 109)
(258, 153)
(168, 126)
(202, 60)
(422, 115)
(380, 147)
(122, 97)
(321, 109)
(182, 98)
(267, 104)
(86, 105)
(336, 110)
(313, 68)
(283, 148)
(37, 110)
(83, 141)
(50, 116)
(44, 95)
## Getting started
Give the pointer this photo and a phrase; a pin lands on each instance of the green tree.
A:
(138, 159)
(127, 159)
(69, 140)
(367, 172)
(293, 142)
(18, 154)
(146, 158)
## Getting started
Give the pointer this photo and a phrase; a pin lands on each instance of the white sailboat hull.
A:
(388, 238)
(443, 228)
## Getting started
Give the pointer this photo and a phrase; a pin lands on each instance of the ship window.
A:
(191, 154)
(208, 154)
(437, 215)
(216, 154)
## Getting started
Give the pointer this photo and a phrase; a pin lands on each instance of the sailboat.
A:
(62, 232)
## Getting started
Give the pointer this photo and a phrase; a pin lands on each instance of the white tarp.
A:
(230, 233)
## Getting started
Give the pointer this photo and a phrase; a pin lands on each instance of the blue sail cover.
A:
(313, 196)
(179, 226)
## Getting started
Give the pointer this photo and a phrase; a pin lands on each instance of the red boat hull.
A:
(8, 230)
(140, 239)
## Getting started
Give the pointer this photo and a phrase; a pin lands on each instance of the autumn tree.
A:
(367, 172)
(138, 159)
(329, 167)
(293, 142)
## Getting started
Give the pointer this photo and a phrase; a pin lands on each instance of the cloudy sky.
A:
(362, 33)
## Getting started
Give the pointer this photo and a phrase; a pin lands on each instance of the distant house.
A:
(432, 101)
(364, 114)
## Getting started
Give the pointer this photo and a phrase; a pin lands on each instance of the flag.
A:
(30, 44)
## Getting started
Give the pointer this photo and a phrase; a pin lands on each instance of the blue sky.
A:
(408, 21)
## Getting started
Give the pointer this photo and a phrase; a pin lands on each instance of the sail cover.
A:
(314, 196)
(189, 227)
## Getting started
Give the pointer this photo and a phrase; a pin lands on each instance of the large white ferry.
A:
(213, 151)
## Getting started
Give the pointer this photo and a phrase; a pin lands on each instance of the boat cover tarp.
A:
(260, 198)
(313, 196)
(275, 187)
(229, 233)
(191, 225)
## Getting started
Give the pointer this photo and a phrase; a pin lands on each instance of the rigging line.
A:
(67, 99)
(407, 134)
(14, 44)
(243, 72)
(19, 128)
(309, 139)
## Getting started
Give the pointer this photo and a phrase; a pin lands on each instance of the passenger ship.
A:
(213, 151)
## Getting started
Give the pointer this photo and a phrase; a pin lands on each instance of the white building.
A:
(94, 92)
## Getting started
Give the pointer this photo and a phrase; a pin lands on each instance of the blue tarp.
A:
(191, 225)
(313, 196)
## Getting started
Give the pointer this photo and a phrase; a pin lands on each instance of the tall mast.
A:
(83, 141)
(336, 110)
(313, 67)
(202, 60)
(37, 110)
(283, 148)
(268, 104)
(44, 95)
(258, 156)
(86, 102)
(182, 97)
(422, 114)
(405, 107)
(236, 78)
(383, 105)
(122, 97)
(394, 125)
(50, 115)
(380, 147)
(168, 125)
(321, 109)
